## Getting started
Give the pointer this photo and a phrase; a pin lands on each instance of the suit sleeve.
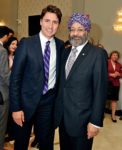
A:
(17, 76)
(100, 84)
(4, 69)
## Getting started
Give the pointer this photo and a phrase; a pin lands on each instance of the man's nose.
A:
(50, 25)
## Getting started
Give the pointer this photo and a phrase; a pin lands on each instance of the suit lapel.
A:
(57, 56)
(38, 50)
(64, 59)
(79, 59)
(59, 49)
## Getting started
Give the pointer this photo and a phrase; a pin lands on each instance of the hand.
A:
(117, 73)
(114, 75)
(18, 117)
(92, 131)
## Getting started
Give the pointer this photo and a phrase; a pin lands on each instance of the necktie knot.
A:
(47, 43)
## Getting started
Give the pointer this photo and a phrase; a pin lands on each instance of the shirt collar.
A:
(1, 43)
(44, 39)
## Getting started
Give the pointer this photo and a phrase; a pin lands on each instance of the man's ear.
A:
(5, 38)
(40, 22)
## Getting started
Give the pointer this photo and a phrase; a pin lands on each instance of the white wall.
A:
(9, 14)
(34, 7)
(103, 15)
(78, 6)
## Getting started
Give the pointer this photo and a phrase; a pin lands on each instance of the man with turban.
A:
(79, 107)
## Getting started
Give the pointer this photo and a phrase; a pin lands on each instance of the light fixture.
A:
(2, 23)
(118, 25)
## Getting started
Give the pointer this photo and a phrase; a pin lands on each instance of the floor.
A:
(109, 138)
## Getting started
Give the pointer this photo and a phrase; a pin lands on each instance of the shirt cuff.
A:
(95, 125)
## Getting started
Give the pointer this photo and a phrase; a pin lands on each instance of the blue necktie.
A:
(46, 60)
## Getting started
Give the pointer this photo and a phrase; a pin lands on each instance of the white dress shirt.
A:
(1, 43)
(52, 65)
(79, 49)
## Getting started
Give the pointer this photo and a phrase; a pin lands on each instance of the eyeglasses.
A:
(78, 30)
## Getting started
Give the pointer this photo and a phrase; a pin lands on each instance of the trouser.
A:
(3, 121)
(43, 121)
(74, 143)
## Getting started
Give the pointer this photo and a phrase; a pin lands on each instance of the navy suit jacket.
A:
(27, 76)
(81, 97)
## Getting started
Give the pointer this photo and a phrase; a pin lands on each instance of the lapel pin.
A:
(83, 54)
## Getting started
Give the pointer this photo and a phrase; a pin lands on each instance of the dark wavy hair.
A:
(4, 31)
(52, 9)
(10, 40)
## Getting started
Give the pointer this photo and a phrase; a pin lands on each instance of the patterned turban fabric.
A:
(80, 18)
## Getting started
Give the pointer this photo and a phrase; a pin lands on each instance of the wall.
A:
(78, 6)
(8, 13)
(103, 15)
(34, 7)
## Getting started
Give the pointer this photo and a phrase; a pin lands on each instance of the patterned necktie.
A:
(71, 61)
(46, 60)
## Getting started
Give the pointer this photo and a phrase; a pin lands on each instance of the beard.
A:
(77, 42)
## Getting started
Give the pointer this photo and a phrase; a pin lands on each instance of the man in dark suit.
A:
(4, 84)
(33, 82)
(79, 106)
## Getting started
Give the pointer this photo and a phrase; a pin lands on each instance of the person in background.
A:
(79, 107)
(100, 45)
(114, 73)
(67, 44)
(33, 82)
(120, 118)
(11, 33)
(4, 84)
(11, 47)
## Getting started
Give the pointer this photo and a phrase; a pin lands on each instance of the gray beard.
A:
(78, 42)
